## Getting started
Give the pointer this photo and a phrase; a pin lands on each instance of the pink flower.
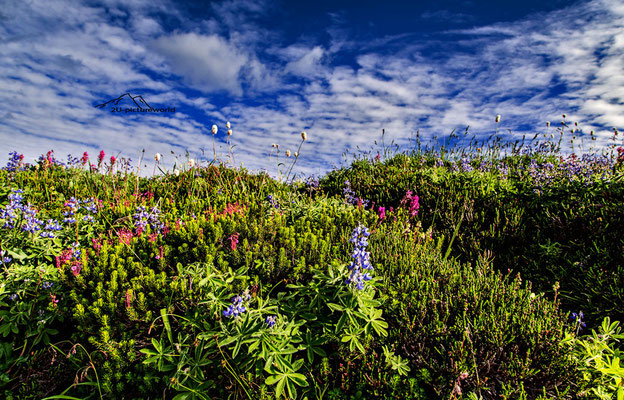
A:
(128, 298)
(381, 212)
(112, 160)
(233, 241)
(85, 158)
(101, 157)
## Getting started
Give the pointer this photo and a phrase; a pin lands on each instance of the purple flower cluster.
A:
(350, 196)
(465, 165)
(272, 201)
(73, 206)
(312, 182)
(19, 215)
(47, 285)
(578, 319)
(142, 218)
(270, 320)
(361, 258)
(237, 308)
(3, 259)
(15, 162)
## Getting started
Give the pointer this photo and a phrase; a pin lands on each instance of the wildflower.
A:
(304, 136)
(101, 157)
(381, 212)
(237, 308)
(287, 153)
(191, 163)
(547, 124)
(229, 132)
(563, 116)
(112, 160)
(233, 240)
(411, 202)
(270, 320)
(273, 145)
(361, 258)
(176, 172)
(227, 125)
(47, 285)
(296, 154)
(53, 300)
(13, 297)
(578, 319)
(85, 158)
(214, 129)
(498, 118)
(15, 162)
(157, 157)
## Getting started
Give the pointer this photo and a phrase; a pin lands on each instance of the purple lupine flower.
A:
(270, 320)
(361, 258)
(15, 162)
(350, 196)
(142, 218)
(237, 308)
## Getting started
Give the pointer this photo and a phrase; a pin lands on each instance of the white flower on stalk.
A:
(296, 154)
(157, 157)
(287, 153)
(229, 132)
(214, 129)
(176, 172)
(227, 125)
(547, 124)
(191, 163)
(304, 136)
(498, 118)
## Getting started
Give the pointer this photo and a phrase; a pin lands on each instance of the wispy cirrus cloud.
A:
(60, 58)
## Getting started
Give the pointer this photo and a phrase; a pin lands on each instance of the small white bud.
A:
(157, 157)
(191, 163)
(547, 124)
(176, 172)
(287, 153)
(214, 129)
(304, 136)
(229, 132)
(498, 118)
(227, 125)
(296, 154)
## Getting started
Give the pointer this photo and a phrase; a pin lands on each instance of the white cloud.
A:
(307, 63)
(208, 63)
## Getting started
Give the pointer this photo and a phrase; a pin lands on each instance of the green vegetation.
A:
(446, 273)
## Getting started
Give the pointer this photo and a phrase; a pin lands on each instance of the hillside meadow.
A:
(464, 271)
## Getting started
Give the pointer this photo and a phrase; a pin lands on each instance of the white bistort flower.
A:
(191, 163)
(214, 129)
(304, 136)
(157, 157)
(227, 125)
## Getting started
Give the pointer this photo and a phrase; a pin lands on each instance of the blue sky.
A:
(340, 70)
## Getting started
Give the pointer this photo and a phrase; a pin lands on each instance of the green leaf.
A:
(280, 388)
(273, 379)
(299, 379)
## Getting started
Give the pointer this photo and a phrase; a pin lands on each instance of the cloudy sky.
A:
(340, 70)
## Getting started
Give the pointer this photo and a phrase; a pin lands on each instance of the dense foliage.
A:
(417, 276)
